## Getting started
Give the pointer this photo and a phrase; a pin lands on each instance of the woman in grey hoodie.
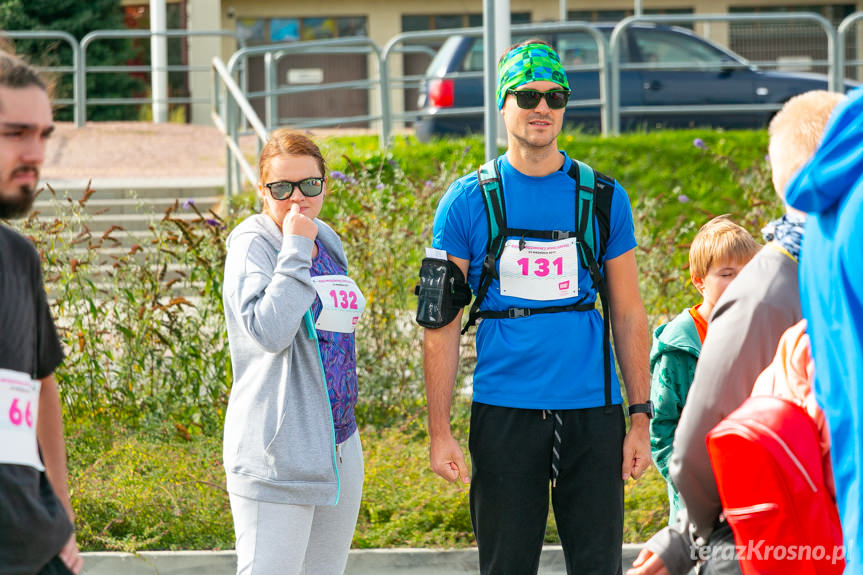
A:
(292, 452)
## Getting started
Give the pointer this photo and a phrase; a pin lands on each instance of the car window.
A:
(473, 60)
(574, 48)
(670, 48)
(439, 64)
(577, 48)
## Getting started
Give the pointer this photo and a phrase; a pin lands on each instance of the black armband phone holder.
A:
(442, 292)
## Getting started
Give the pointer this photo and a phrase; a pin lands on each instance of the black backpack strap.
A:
(602, 206)
(552, 235)
(593, 203)
(515, 312)
(594, 191)
(489, 181)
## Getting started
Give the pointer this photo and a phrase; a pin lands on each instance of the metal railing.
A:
(615, 65)
(386, 101)
(229, 102)
(76, 60)
(81, 78)
(234, 115)
(274, 52)
(520, 29)
(844, 29)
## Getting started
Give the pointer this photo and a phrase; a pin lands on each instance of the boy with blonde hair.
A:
(719, 251)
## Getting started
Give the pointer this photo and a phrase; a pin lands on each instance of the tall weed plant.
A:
(382, 206)
(142, 324)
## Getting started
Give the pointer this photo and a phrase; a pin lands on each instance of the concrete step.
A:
(360, 562)
(129, 188)
(136, 224)
(118, 214)
(173, 281)
(130, 204)
(97, 205)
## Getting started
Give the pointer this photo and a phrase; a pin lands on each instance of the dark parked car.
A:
(707, 75)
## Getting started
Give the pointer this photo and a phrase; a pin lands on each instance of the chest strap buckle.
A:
(515, 312)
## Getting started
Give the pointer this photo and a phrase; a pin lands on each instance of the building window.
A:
(271, 30)
(252, 31)
(423, 22)
(598, 15)
(284, 29)
(618, 15)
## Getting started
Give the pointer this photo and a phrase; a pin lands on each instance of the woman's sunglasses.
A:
(310, 187)
(529, 99)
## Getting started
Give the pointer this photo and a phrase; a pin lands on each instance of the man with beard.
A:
(36, 531)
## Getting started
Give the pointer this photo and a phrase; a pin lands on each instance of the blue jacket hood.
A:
(837, 167)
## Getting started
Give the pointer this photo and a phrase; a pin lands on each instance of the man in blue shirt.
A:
(543, 409)
(830, 189)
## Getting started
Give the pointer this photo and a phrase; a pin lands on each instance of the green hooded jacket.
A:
(675, 350)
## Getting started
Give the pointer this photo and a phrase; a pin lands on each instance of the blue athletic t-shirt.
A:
(545, 361)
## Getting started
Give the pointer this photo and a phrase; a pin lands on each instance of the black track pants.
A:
(55, 567)
(511, 452)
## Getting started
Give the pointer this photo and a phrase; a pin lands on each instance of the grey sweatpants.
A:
(282, 539)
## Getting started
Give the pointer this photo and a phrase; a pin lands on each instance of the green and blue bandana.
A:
(528, 63)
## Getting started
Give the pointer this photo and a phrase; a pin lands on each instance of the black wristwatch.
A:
(646, 408)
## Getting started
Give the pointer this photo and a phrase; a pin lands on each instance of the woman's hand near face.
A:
(296, 224)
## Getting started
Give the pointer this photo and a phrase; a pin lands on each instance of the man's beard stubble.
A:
(18, 206)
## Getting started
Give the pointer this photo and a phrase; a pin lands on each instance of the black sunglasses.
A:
(310, 187)
(529, 99)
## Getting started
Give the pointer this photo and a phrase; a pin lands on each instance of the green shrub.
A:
(383, 212)
(147, 490)
(676, 182)
(404, 503)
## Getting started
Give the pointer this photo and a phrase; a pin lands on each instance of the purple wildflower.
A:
(379, 187)
(683, 199)
(337, 175)
(699, 143)
(215, 223)
(188, 204)
(428, 183)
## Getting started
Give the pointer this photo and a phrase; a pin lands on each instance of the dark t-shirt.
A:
(33, 524)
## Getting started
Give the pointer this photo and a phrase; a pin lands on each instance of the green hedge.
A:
(147, 375)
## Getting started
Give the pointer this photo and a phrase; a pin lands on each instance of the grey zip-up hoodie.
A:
(279, 443)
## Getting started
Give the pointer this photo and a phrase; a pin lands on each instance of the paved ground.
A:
(141, 150)
(134, 150)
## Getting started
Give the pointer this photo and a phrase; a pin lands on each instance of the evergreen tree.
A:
(78, 18)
